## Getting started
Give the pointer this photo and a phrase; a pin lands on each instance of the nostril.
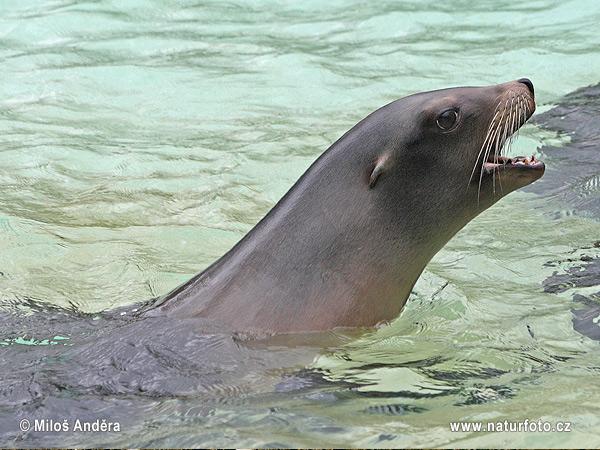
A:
(527, 82)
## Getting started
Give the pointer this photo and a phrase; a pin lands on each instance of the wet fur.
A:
(348, 241)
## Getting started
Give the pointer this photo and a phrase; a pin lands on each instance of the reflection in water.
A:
(79, 364)
(578, 117)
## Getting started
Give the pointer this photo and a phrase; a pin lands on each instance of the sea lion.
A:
(346, 244)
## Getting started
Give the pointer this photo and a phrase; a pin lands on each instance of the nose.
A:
(527, 82)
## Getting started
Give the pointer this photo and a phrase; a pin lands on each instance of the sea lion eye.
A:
(447, 120)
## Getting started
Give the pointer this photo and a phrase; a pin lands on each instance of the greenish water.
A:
(140, 140)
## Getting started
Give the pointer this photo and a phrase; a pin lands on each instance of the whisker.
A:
(487, 136)
(485, 148)
(502, 132)
(509, 129)
(499, 142)
(494, 145)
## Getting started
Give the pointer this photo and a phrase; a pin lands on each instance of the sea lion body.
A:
(346, 244)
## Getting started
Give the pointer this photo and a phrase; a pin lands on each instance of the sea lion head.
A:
(346, 244)
(447, 147)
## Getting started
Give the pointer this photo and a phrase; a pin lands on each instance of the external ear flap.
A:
(382, 165)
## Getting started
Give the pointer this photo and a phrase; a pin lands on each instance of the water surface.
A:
(140, 141)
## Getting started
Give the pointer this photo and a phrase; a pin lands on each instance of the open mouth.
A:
(496, 162)
(511, 113)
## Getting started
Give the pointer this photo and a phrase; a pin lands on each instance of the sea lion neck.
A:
(346, 244)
